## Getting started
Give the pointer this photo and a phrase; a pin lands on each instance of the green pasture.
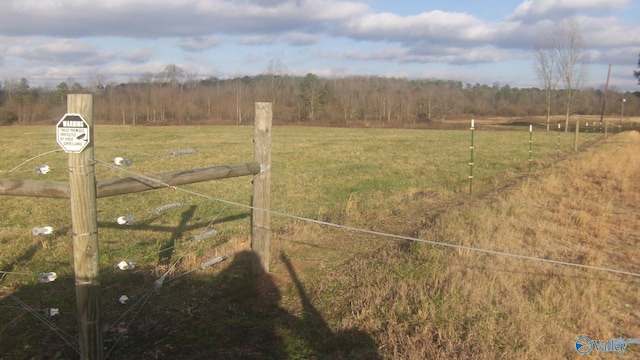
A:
(315, 172)
(314, 169)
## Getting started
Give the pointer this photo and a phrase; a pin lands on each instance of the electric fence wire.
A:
(160, 281)
(203, 234)
(61, 333)
(131, 219)
(156, 286)
(13, 229)
(392, 236)
(144, 300)
(33, 158)
(26, 274)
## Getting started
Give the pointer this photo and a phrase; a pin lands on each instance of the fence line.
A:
(159, 282)
(399, 237)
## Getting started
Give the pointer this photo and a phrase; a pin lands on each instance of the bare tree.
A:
(98, 83)
(313, 94)
(276, 73)
(571, 62)
(637, 73)
(544, 66)
(239, 87)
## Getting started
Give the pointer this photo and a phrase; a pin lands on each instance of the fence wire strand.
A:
(383, 234)
(33, 158)
(62, 334)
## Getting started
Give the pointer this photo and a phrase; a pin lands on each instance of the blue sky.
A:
(487, 42)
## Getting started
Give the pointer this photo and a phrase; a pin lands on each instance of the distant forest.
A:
(175, 97)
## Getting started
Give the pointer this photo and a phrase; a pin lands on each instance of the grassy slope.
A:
(335, 293)
(426, 302)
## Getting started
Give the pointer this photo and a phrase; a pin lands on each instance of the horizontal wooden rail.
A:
(181, 177)
(105, 188)
(37, 188)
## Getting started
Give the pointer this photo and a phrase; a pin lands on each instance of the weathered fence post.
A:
(74, 133)
(260, 215)
(82, 184)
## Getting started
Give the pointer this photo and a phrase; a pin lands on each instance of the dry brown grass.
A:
(413, 300)
(420, 301)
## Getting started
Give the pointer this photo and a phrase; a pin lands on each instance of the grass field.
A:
(334, 293)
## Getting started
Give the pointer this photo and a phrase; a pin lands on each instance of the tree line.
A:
(173, 96)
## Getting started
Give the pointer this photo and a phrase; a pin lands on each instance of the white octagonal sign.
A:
(72, 133)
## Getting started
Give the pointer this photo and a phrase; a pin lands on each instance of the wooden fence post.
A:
(74, 133)
(82, 184)
(260, 215)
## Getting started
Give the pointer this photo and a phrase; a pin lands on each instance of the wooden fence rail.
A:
(113, 187)
(82, 190)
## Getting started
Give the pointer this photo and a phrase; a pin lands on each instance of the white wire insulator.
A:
(122, 161)
(126, 265)
(126, 220)
(211, 262)
(47, 277)
(158, 283)
(42, 169)
(205, 235)
(182, 152)
(160, 209)
(52, 312)
(45, 230)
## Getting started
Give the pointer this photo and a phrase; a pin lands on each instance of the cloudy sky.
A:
(483, 41)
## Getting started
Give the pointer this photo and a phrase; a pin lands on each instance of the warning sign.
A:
(72, 133)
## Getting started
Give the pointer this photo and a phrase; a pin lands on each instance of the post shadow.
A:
(166, 250)
(231, 314)
(349, 344)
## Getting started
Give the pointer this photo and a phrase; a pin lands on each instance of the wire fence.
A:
(143, 296)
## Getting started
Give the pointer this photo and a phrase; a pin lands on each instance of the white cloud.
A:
(423, 54)
(140, 55)
(256, 40)
(158, 18)
(534, 10)
(54, 51)
(300, 38)
(57, 36)
(436, 26)
(200, 43)
(609, 32)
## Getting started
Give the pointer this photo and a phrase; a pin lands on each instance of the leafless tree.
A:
(637, 73)
(276, 73)
(545, 66)
(571, 61)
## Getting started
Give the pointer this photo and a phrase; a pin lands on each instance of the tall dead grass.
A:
(421, 301)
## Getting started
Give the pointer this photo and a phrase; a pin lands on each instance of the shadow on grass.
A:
(166, 250)
(231, 314)
(146, 224)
